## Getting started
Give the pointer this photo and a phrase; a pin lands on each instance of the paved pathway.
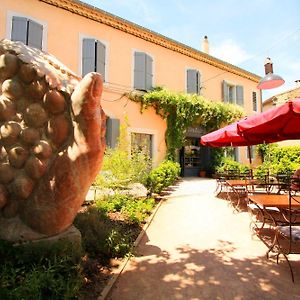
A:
(197, 248)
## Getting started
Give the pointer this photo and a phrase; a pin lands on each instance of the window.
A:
(193, 82)
(251, 149)
(142, 142)
(254, 101)
(93, 57)
(233, 93)
(112, 132)
(143, 71)
(27, 31)
(232, 152)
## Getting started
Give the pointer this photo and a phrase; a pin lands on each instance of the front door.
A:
(191, 157)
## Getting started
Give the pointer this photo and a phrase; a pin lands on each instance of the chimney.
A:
(205, 45)
(297, 83)
(268, 66)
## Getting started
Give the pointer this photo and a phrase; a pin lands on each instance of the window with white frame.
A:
(93, 57)
(143, 71)
(193, 85)
(27, 31)
(254, 101)
(142, 142)
(233, 93)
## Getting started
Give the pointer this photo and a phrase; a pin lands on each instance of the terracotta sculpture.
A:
(52, 141)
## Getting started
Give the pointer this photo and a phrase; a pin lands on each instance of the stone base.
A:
(15, 231)
(67, 242)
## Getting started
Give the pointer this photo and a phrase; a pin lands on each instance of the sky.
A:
(243, 33)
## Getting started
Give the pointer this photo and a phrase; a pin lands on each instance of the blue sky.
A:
(240, 32)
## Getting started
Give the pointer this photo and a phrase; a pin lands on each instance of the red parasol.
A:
(227, 136)
(274, 125)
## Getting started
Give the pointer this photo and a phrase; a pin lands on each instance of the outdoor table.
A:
(237, 190)
(272, 207)
(280, 201)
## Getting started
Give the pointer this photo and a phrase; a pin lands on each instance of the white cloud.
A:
(230, 51)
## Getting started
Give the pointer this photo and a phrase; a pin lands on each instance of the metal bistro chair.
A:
(287, 237)
(221, 180)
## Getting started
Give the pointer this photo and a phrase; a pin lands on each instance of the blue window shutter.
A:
(191, 82)
(225, 91)
(35, 34)
(88, 56)
(139, 71)
(100, 59)
(19, 29)
(240, 95)
(198, 82)
(254, 101)
(112, 132)
(149, 72)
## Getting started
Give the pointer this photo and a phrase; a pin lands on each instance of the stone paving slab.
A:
(197, 248)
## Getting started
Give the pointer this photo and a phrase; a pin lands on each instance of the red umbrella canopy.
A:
(277, 124)
(224, 137)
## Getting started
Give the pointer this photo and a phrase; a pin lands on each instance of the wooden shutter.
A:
(88, 56)
(100, 59)
(191, 82)
(19, 29)
(240, 95)
(149, 72)
(112, 132)
(35, 35)
(139, 71)
(225, 91)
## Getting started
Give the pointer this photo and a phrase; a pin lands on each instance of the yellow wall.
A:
(63, 39)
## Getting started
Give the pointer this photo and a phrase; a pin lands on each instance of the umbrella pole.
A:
(249, 154)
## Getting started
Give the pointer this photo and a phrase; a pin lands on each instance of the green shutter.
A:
(112, 132)
(19, 29)
(225, 91)
(35, 35)
(139, 71)
(100, 59)
(88, 56)
(240, 95)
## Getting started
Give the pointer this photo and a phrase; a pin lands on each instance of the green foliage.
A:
(280, 159)
(162, 176)
(230, 164)
(183, 110)
(32, 272)
(133, 210)
(102, 237)
(119, 168)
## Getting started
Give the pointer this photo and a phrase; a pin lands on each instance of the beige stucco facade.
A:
(67, 22)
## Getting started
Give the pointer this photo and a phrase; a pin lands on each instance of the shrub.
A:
(230, 164)
(133, 210)
(162, 176)
(103, 238)
(280, 159)
(119, 169)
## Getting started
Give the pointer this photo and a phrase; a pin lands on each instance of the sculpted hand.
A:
(52, 130)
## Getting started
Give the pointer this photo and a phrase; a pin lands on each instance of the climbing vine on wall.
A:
(184, 110)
